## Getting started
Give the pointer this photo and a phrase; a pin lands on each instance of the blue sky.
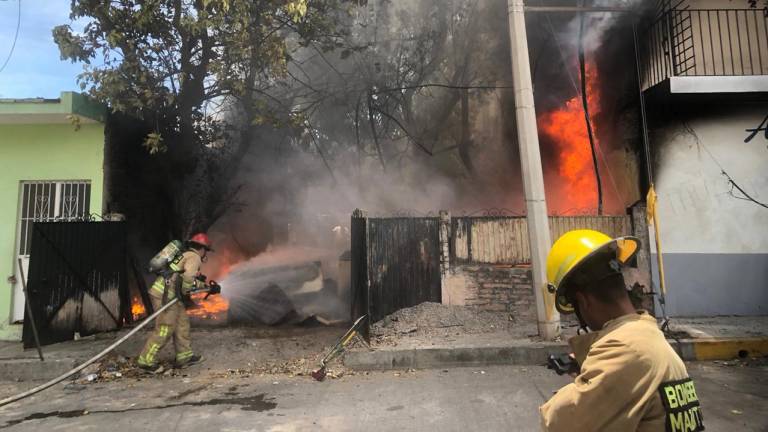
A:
(35, 69)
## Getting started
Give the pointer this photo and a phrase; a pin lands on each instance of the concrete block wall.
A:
(489, 287)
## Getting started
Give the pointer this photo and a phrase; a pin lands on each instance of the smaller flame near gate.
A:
(137, 309)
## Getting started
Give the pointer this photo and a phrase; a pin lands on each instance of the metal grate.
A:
(77, 279)
(705, 42)
(49, 202)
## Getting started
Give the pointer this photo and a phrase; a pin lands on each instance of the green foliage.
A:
(180, 57)
(154, 143)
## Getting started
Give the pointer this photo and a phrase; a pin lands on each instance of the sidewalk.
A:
(227, 351)
(296, 350)
(711, 338)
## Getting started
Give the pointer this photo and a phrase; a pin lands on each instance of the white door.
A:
(44, 202)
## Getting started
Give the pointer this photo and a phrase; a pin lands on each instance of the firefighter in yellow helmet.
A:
(630, 378)
(173, 322)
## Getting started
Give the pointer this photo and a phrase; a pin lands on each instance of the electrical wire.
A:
(576, 89)
(15, 38)
(725, 174)
(585, 103)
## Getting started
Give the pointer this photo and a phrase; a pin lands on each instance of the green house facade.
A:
(51, 169)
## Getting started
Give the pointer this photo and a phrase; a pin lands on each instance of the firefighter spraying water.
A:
(179, 275)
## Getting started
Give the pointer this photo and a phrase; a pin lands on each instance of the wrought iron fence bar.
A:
(749, 44)
(701, 39)
(757, 33)
(711, 43)
(738, 37)
(683, 71)
(654, 56)
(730, 43)
(680, 22)
(669, 45)
(722, 52)
(682, 43)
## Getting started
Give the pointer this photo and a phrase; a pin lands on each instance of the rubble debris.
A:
(290, 368)
(437, 320)
(277, 294)
(269, 305)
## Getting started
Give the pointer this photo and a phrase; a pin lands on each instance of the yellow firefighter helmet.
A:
(573, 250)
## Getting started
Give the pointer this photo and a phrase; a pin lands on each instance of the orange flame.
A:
(211, 308)
(137, 308)
(221, 262)
(567, 129)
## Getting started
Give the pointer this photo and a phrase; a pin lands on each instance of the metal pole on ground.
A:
(533, 176)
(29, 311)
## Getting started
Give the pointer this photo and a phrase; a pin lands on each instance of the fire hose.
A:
(214, 288)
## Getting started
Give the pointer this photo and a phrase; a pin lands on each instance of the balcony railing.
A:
(705, 42)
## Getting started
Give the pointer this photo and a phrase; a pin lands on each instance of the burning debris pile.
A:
(285, 286)
(214, 307)
(435, 320)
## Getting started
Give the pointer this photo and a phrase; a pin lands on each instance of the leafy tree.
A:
(178, 65)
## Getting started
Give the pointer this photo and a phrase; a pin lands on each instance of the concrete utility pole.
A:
(533, 177)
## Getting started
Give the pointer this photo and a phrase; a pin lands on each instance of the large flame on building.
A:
(576, 187)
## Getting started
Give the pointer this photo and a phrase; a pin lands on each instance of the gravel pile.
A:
(436, 320)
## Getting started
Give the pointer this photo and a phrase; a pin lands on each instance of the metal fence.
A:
(77, 279)
(504, 239)
(705, 42)
(396, 261)
(405, 254)
(395, 264)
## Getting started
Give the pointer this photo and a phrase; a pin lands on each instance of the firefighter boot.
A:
(192, 360)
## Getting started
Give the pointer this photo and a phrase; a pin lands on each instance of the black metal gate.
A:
(77, 280)
(395, 263)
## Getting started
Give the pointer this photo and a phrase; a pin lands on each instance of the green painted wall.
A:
(41, 152)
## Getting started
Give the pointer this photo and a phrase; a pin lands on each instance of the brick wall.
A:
(499, 288)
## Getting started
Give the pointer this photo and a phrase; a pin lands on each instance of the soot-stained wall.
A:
(714, 238)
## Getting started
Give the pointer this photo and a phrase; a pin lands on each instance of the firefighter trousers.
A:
(172, 323)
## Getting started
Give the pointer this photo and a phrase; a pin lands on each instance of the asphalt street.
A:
(734, 397)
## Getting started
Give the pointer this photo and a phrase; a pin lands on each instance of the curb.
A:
(529, 355)
(32, 369)
(426, 358)
(721, 348)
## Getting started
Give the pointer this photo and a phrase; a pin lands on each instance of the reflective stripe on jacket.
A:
(623, 367)
(188, 267)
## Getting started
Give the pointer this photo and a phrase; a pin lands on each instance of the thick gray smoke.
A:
(375, 134)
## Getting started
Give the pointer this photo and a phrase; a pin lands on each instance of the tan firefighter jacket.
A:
(188, 267)
(631, 380)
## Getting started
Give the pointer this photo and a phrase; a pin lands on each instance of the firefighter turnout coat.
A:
(630, 380)
(173, 323)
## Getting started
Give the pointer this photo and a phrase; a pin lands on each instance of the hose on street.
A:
(92, 360)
